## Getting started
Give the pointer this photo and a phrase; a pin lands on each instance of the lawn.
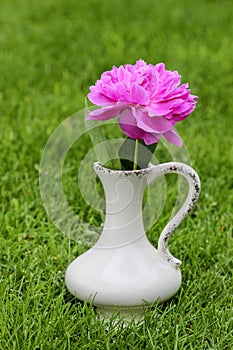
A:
(51, 51)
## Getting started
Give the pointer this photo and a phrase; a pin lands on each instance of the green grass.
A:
(51, 52)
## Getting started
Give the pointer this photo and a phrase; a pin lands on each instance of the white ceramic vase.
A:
(123, 271)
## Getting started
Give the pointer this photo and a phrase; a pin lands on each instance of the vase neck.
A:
(123, 218)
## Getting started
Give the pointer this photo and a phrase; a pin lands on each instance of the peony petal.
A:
(121, 73)
(181, 115)
(164, 108)
(128, 125)
(105, 113)
(139, 95)
(173, 137)
(158, 124)
(127, 117)
(159, 67)
(98, 98)
(178, 92)
(140, 64)
(149, 139)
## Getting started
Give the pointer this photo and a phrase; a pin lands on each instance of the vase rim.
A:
(100, 168)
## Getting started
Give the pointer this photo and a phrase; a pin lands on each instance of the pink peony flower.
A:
(147, 99)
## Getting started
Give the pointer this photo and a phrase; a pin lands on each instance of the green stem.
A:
(135, 160)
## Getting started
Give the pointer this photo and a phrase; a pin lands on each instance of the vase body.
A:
(123, 269)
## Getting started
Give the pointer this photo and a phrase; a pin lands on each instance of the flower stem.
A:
(135, 160)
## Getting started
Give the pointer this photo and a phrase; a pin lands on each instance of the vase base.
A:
(121, 313)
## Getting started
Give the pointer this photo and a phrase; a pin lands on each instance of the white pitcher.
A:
(123, 271)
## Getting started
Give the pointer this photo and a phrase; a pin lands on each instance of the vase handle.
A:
(194, 190)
